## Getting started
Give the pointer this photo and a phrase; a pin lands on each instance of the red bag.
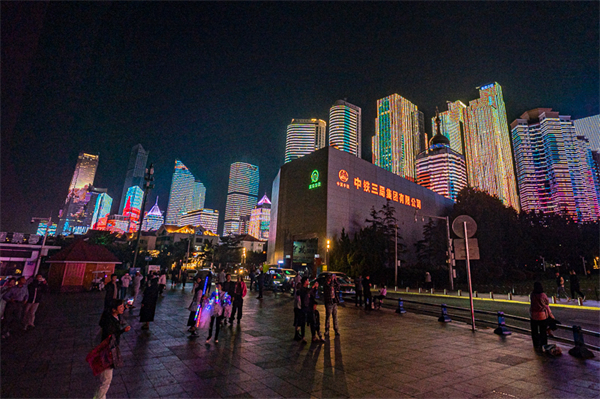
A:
(244, 289)
(100, 358)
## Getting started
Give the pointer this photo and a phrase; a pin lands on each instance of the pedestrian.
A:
(331, 300)
(381, 296)
(209, 276)
(359, 290)
(239, 292)
(36, 289)
(162, 283)
(315, 323)
(222, 276)
(111, 292)
(15, 298)
(184, 277)
(297, 282)
(560, 287)
(307, 297)
(261, 284)
(197, 300)
(8, 284)
(298, 318)
(252, 278)
(137, 282)
(125, 280)
(149, 299)
(111, 325)
(540, 314)
(174, 278)
(219, 307)
(368, 295)
(428, 284)
(574, 285)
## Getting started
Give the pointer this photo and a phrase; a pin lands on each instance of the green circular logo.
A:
(314, 176)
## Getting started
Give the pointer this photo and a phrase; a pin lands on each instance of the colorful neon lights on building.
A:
(345, 127)
(241, 195)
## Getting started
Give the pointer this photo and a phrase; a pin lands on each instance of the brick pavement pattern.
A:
(379, 355)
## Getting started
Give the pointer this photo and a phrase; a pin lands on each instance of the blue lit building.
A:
(187, 194)
(241, 195)
(345, 127)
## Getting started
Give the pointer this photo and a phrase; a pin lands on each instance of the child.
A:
(315, 324)
(380, 297)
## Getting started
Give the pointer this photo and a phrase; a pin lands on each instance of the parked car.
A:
(276, 282)
(346, 283)
(289, 274)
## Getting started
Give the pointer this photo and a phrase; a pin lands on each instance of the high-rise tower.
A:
(135, 171)
(345, 127)
(241, 195)
(303, 137)
(590, 128)
(397, 135)
(452, 124)
(153, 219)
(487, 147)
(187, 194)
(260, 219)
(554, 166)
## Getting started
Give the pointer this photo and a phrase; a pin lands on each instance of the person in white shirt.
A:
(162, 283)
(125, 280)
(137, 282)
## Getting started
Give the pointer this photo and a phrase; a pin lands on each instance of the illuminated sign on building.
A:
(379, 190)
(314, 178)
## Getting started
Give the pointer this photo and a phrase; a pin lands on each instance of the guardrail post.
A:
(510, 296)
(400, 309)
(445, 291)
(553, 299)
(580, 350)
(419, 290)
(491, 295)
(341, 297)
(396, 288)
(580, 301)
(459, 292)
(475, 294)
(407, 289)
(432, 292)
(501, 329)
(444, 316)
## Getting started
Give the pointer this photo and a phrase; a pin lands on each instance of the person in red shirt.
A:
(540, 314)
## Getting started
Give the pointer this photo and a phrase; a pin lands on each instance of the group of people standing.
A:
(574, 285)
(19, 303)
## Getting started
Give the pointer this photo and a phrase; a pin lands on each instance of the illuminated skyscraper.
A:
(136, 168)
(101, 211)
(133, 207)
(440, 168)
(452, 124)
(590, 128)
(396, 143)
(303, 137)
(187, 194)
(41, 230)
(207, 218)
(260, 219)
(78, 197)
(241, 195)
(554, 166)
(345, 127)
(487, 146)
(153, 219)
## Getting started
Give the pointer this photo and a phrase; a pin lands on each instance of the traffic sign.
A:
(458, 228)
(460, 250)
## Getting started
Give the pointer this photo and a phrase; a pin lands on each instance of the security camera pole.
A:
(148, 185)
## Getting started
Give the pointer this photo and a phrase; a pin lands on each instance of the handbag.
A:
(553, 324)
(100, 358)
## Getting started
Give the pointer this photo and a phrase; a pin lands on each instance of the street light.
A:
(449, 243)
(327, 255)
(48, 224)
(148, 185)
(244, 255)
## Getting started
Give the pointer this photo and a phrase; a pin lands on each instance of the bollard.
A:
(432, 291)
(459, 292)
(580, 350)
(407, 289)
(474, 294)
(341, 297)
(400, 309)
(510, 296)
(444, 317)
(419, 290)
(580, 301)
(553, 299)
(396, 288)
(445, 291)
(501, 329)
(529, 298)
(491, 295)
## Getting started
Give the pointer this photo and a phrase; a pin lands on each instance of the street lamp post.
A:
(449, 244)
(396, 259)
(327, 255)
(148, 185)
(39, 259)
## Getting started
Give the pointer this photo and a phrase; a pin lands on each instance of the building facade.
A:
(187, 193)
(590, 128)
(206, 218)
(487, 146)
(345, 127)
(241, 195)
(101, 211)
(398, 135)
(452, 124)
(260, 219)
(555, 169)
(303, 137)
(153, 219)
(136, 168)
(440, 168)
(133, 207)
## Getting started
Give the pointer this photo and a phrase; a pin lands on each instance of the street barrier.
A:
(400, 309)
(419, 290)
(341, 297)
(474, 294)
(580, 350)
(445, 291)
(458, 293)
(432, 291)
(444, 317)
(502, 329)
(491, 295)
(580, 301)
(510, 296)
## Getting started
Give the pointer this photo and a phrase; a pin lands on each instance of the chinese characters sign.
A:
(377, 189)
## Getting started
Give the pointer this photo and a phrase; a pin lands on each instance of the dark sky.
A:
(216, 83)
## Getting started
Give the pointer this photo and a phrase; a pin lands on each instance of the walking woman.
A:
(196, 301)
(540, 315)
(149, 304)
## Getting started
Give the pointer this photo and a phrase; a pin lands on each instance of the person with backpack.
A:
(239, 292)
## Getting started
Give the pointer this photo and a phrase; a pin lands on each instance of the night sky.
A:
(216, 83)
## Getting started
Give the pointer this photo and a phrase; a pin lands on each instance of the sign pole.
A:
(396, 259)
(469, 276)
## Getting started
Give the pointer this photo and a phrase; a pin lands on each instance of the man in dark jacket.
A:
(261, 284)
(574, 280)
(359, 290)
(368, 296)
(307, 298)
(111, 292)
(330, 289)
(36, 290)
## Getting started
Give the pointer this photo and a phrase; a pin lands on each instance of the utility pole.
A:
(396, 259)
(148, 185)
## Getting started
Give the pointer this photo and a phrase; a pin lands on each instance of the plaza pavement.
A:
(379, 355)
